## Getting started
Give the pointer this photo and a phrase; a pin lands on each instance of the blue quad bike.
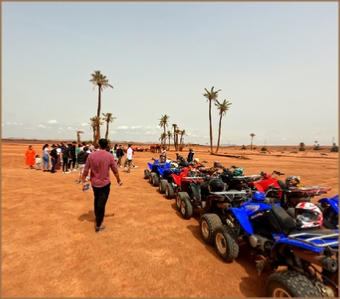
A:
(160, 171)
(310, 255)
(152, 173)
(330, 211)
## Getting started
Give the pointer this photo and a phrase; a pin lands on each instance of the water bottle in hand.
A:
(86, 187)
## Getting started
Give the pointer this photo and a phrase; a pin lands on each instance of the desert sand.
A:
(50, 249)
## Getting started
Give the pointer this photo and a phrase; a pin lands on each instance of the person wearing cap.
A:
(54, 157)
(99, 164)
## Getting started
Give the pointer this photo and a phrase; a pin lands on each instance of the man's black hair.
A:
(102, 143)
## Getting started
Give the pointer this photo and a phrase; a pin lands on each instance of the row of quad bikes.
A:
(258, 209)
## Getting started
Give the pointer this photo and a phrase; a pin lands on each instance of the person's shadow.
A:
(91, 217)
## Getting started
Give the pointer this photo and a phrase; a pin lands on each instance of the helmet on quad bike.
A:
(173, 165)
(216, 185)
(238, 171)
(307, 215)
(293, 181)
(196, 160)
(259, 196)
(217, 164)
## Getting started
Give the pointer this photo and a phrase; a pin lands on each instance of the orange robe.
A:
(30, 157)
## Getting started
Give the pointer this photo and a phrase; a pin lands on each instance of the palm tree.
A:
(181, 133)
(162, 138)
(108, 118)
(223, 108)
(211, 96)
(169, 134)
(302, 146)
(174, 136)
(252, 135)
(163, 122)
(177, 132)
(95, 124)
(98, 79)
(78, 136)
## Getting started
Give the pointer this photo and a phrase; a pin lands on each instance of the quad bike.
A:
(330, 211)
(152, 174)
(288, 193)
(235, 179)
(185, 181)
(215, 212)
(310, 255)
(166, 176)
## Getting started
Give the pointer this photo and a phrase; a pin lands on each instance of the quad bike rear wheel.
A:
(155, 180)
(290, 284)
(226, 245)
(169, 191)
(187, 209)
(162, 185)
(146, 174)
(208, 224)
(179, 197)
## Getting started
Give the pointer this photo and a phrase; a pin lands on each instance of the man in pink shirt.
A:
(100, 162)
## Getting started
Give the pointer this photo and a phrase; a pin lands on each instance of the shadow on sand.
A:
(91, 217)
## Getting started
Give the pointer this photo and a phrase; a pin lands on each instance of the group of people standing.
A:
(57, 156)
(71, 158)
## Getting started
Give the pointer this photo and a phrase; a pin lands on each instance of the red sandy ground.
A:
(50, 249)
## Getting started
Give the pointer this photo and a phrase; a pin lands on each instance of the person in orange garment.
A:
(30, 157)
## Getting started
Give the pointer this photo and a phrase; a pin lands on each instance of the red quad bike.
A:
(288, 193)
(187, 188)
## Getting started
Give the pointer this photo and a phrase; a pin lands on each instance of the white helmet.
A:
(307, 215)
(196, 160)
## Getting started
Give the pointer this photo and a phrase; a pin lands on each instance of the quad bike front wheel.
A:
(290, 284)
(162, 185)
(151, 177)
(187, 209)
(169, 191)
(179, 197)
(226, 245)
(331, 281)
(146, 174)
(208, 224)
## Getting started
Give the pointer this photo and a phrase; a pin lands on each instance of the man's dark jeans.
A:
(100, 197)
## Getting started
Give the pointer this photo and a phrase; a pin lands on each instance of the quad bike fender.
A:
(196, 190)
(257, 186)
(293, 243)
(242, 218)
(333, 202)
(150, 165)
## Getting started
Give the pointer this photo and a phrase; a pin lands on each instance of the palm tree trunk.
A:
(99, 101)
(219, 133)
(211, 133)
(107, 131)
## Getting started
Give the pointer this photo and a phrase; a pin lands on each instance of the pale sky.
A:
(276, 62)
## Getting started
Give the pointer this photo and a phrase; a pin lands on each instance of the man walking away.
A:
(119, 155)
(100, 162)
(82, 157)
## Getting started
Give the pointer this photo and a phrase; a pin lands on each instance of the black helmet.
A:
(217, 164)
(293, 181)
(216, 185)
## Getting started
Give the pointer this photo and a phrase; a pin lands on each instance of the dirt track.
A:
(49, 248)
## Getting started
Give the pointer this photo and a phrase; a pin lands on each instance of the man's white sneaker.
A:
(135, 166)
